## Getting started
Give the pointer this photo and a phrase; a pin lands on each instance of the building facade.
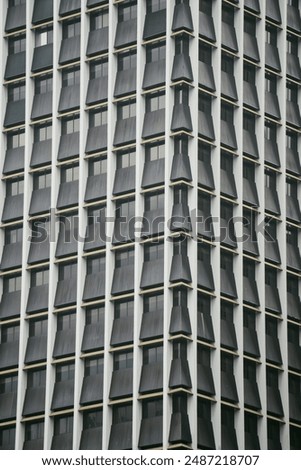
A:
(150, 267)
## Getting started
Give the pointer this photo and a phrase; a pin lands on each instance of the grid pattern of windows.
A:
(132, 159)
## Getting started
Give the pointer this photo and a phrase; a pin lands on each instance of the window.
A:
(70, 76)
(152, 408)
(293, 334)
(271, 35)
(271, 277)
(124, 309)
(34, 431)
(153, 252)
(250, 25)
(122, 414)
(294, 384)
(227, 363)
(43, 84)
(64, 372)
(127, 11)
(126, 110)
(271, 83)
(94, 366)
(96, 215)
(43, 132)
(99, 68)
(292, 285)
(152, 303)
(204, 409)
(249, 269)
(179, 349)
(16, 139)
(127, 60)
(205, 54)
(95, 315)
(123, 360)
(227, 262)
(293, 3)
(98, 117)
(205, 6)
(155, 5)
(96, 264)
(272, 377)
(250, 371)
(99, 20)
(249, 171)
(292, 92)
(227, 64)
(249, 123)
(180, 195)
(154, 201)
(13, 235)
(42, 180)
(270, 230)
(154, 101)
(36, 378)
(66, 322)
(16, 44)
(39, 278)
(270, 131)
(15, 3)
(7, 437)
(97, 166)
(204, 304)
(126, 158)
(181, 95)
(71, 28)
(204, 253)
(271, 326)
(40, 230)
(228, 14)
(226, 162)
(124, 258)
(11, 284)
(292, 140)
(44, 36)
(70, 124)
(181, 45)
(249, 73)
(16, 92)
(155, 52)
(10, 334)
(38, 328)
(14, 187)
(205, 103)
(63, 425)
(270, 180)
(92, 419)
(154, 151)
(153, 355)
(203, 356)
(67, 271)
(8, 384)
(251, 424)
(291, 45)
(227, 113)
(291, 188)
(180, 246)
(70, 173)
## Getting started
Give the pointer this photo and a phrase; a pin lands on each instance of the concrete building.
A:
(149, 204)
